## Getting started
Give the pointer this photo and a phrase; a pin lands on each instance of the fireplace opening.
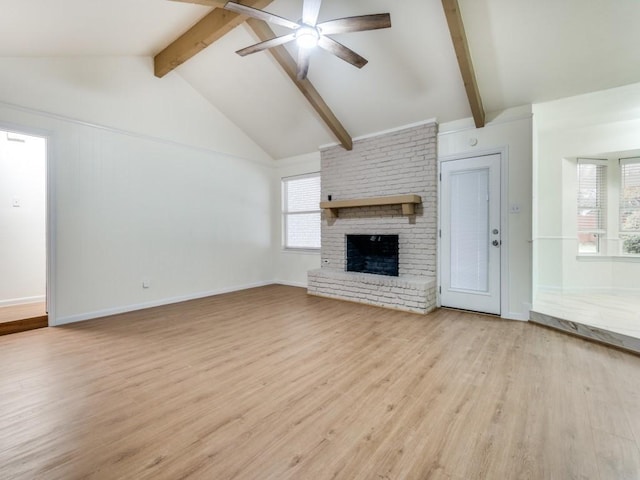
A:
(376, 254)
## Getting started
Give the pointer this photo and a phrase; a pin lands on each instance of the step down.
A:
(22, 325)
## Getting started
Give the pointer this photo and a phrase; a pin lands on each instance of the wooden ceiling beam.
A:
(459, 38)
(288, 64)
(212, 27)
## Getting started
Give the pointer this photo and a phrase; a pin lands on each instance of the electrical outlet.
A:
(515, 208)
(15, 202)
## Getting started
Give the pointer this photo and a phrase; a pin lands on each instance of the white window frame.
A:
(286, 214)
(601, 232)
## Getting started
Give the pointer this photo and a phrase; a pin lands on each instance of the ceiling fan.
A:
(308, 33)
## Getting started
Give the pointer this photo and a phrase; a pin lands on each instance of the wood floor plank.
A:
(618, 458)
(272, 383)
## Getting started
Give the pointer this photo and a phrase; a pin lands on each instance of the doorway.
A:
(471, 234)
(23, 220)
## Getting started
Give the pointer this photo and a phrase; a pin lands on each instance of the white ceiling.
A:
(534, 51)
(523, 51)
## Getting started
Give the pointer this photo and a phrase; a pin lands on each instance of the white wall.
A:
(510, 132)
(22, 220)
(585, 125)
(172, 192)
(291, 267)
(123, 93)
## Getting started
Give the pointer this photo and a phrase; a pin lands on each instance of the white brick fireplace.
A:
(398, 163)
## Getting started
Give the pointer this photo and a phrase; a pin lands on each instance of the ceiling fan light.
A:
(307, 37)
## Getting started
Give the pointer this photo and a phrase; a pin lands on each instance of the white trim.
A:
(50, 214)
(143, 136)
(301, 251)
(384, 132)
(520, 317)
(590, 290)
(22, 301)
(504, 208)
(504, 223)
(554, 238)
(154, 303)
(52, 228)
(438, 231)
(609, 258)
(473, 154)
(592, 161)
(302, 175)
(291, 284)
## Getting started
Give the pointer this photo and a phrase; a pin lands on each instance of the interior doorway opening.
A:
(588, 261)
(23, 223)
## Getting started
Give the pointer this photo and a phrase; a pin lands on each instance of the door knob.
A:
(495, 243)
(495, 231)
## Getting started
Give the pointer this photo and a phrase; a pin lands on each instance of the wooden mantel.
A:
(408, 203)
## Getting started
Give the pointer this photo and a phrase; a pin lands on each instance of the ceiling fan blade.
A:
(356, 24)
(310, 12)
(260, 15)
(342, 52)
(274, 42)
(304, 54)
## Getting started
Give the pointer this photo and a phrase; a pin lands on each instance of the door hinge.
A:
(440, 177)
(439, 289)
(440, 233)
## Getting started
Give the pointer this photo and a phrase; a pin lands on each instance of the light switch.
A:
(15, 202)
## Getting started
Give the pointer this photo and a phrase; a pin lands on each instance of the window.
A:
(630, 205)
(301, 211)
(592, 205)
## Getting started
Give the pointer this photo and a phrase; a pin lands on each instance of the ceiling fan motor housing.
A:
(309, 34)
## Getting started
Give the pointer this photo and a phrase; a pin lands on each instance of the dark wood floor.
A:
(270, 383)
(20, 318)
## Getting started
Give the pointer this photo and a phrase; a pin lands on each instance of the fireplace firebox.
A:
(377, 254)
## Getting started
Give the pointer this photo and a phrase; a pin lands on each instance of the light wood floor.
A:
(273, 384)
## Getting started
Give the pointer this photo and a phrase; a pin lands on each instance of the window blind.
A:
(301, 211)
(630, 205)
(592, 204)
(630, 195)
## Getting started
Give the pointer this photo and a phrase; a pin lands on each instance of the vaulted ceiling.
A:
(523, 52)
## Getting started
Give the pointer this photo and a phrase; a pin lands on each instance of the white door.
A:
(470, 234)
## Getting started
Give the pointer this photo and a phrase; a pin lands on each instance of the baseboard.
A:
(291, 284)
(521, 317)
(549, 289)
(590, 290)
(155, 303)
(22, 301)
